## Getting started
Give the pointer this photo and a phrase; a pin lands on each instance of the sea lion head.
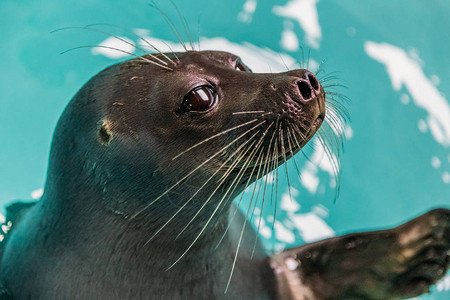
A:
(168, 127)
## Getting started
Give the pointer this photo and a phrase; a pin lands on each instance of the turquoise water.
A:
(392, 57)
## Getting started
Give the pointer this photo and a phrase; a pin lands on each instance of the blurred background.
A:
(390, 56)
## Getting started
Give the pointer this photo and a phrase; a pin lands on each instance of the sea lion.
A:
(144, 164)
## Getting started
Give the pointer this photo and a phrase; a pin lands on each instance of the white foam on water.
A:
(321, 211)
(446, 177)
(248, 9)
(404, 98)
(311, 227)
(282, 234)
(309, 179)
(435, 80)
(323, 161)
(305, 13)
(113, 42)
(404, 69)
(348, 132)
(289, 40)
(37, 194)
(264, 230)
(435, 162)
(422, 125)
(289, 204)
(443, 284)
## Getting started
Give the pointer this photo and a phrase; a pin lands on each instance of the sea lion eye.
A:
(200, 99)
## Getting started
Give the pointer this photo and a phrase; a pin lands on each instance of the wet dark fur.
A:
(125, 216)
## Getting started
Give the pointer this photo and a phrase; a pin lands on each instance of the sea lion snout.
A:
(298, 99)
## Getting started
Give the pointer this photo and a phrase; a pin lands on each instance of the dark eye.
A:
(200, 99)
(240, 66)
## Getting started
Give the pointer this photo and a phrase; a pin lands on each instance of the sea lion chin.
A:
(145, 162)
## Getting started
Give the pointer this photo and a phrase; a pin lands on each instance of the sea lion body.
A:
(145, 162)
(112, 154)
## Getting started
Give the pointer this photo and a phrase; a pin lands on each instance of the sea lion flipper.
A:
(398, 263)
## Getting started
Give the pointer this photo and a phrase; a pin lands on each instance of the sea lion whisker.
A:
(334, 73)
(337, 97)
(283, 151)
(202, 230)
(276, 182)
(219, 184)
(248, 112)
(330, 81)
(304, 127)
(242, 172)
(114, 36)
(257, 182)
(331, 144)
(234, 184)
(339, 109)
(328, 141)
(239, 177)
(335, 165)
(303, 138)
(244, 167)
(214, 136)
(185, 25)
(198, 32)
(334, 85)
(266, 168)
(294, 131)
(119, 50)
(300, 133)
(333, 91)
(336, 125)
(169, 22)
(308, 59)
(258, 145)
(196, 168)
(139, 37)
(291, 150)
(242, 230)
(221, 180)
(237, 206)
(303, 62)
(284, 63)
(320, 68)
(335, 140)
(329, 76)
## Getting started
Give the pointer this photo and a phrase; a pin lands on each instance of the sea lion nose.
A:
(308, 86)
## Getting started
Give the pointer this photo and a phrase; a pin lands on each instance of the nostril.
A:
(313, 80)
(305, 90)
